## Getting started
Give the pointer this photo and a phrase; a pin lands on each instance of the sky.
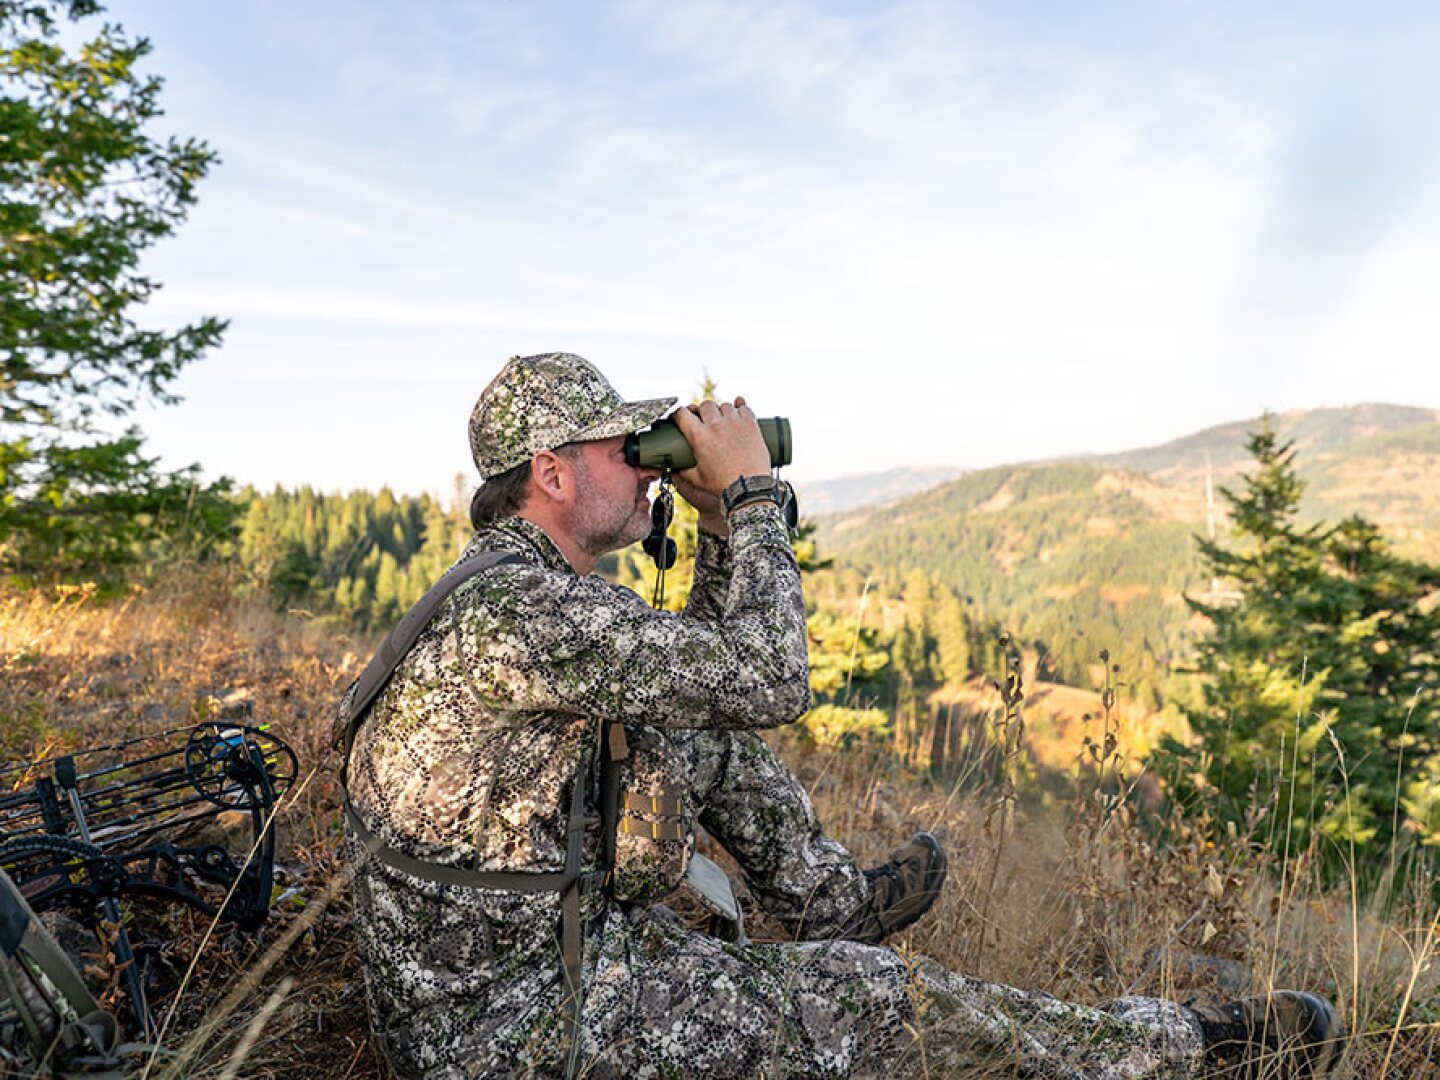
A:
(929, 233)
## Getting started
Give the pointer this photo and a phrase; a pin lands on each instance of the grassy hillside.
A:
(1392, 477)
(1379, 460)
(1082, 899)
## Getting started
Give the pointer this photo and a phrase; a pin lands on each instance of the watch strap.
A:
(751, 489)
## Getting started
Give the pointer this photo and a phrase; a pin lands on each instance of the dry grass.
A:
(77, 672)
(1088, 904)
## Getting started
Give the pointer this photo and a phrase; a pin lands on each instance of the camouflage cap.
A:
(540, 402)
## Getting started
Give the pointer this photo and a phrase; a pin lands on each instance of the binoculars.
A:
(661, 446)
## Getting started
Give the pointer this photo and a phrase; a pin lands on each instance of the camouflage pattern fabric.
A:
(664, 1001)
(468, 759)
(541, 402)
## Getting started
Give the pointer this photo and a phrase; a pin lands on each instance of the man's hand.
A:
(728, 445)
(709, 507)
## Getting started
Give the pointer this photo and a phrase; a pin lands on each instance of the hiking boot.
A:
(902, 890)
(1286, 1035)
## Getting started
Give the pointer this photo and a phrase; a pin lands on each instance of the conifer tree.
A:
(1323, 659)
(952, 644)
(86, 190)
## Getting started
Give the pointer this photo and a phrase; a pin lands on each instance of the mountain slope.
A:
(1315, 432)
(1098, 552)
(1071, 555)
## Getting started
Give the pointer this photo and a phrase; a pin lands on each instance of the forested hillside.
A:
(364, 556)
(1075, 556)
(1070, 557)
(1379, 460)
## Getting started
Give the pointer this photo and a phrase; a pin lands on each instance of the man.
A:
(527, 784)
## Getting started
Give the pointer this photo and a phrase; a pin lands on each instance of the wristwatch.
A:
(749, 489)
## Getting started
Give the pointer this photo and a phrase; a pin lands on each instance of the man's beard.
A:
(600, 525)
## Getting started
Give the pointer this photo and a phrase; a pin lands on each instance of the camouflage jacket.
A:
(469, 755)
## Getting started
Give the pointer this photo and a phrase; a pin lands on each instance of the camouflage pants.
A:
(666, 1001)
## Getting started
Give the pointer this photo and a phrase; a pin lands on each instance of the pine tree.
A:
(388, 593)
(846, 659)
(1260, 677)
(85, 189)
(1380, 632)
(1325, 652)
(952, 642)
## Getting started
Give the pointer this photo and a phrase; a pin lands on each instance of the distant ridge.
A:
(1315, 432)
(1320, 435)
(869, 489)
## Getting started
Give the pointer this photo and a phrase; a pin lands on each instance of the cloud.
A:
(918, 208)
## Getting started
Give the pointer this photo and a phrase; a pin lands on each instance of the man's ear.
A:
(548, 477)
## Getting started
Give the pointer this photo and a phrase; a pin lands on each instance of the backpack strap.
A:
(569, 883)
(364, 690)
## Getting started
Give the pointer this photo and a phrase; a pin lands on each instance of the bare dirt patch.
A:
(1169, 501)
(999, 501)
